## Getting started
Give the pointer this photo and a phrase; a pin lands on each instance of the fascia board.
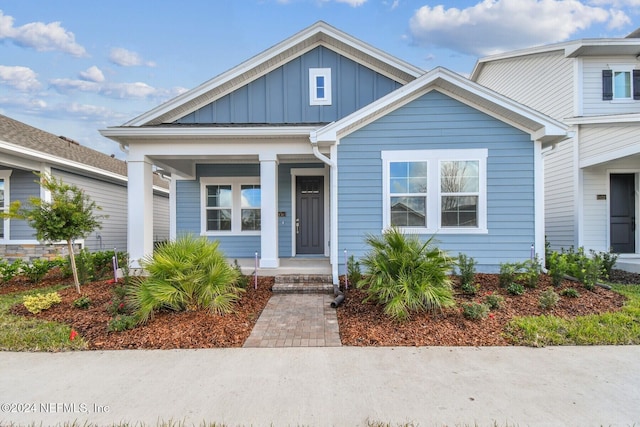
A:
(608, 119)
(125, 133)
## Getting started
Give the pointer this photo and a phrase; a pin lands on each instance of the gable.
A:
(283, 95)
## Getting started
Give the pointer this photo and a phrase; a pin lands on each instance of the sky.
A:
(73, 67)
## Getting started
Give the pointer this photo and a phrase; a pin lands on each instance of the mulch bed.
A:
(361, 324)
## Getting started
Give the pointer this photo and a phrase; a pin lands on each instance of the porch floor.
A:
(295, 265)
(630, 263)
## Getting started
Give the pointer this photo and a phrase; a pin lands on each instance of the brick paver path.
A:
(296, 320)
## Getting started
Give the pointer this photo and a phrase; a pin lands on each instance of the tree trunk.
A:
(72, 259)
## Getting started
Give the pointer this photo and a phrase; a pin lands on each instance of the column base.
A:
(269, 263)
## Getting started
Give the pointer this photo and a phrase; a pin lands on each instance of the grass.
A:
(18, 333)
(617, 328)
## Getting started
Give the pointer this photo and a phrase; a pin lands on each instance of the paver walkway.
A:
(296, 320)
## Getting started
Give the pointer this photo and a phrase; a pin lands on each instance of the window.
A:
(428, 191)
(320, 86)
(230, 205)
(621, 84)
(4, 203)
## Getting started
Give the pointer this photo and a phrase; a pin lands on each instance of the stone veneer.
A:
(30, 252)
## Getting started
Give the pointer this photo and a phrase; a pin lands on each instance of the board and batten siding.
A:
(23, 186)
(436, 121)
(560, 214)
(541, 81)
(112, 198)
(282, 95)
(593, 104)
(188, 208)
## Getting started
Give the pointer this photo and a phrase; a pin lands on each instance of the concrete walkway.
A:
(326, 386)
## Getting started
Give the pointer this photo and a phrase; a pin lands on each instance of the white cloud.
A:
(92, 74)
(619, 19)
(64, 85)
(493, 26)
(129, 90)
(22, 78)
(353, 3)
(615, 3)
(127, 58)
(40, 36)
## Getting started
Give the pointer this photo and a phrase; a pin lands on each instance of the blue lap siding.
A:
(436, 121)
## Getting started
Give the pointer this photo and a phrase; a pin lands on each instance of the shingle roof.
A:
(23, 135)
(634, 34)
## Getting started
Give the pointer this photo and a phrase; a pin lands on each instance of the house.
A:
(591, 179)
(25, 150)
(305, 149)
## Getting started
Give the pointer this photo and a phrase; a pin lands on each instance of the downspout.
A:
(333, 198)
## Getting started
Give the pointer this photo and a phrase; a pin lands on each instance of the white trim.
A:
(296, 172)
(538, 183)
(606, 119)
(314, 73)
(236, 207)
(434, 158)
(618, 68)
(6, 175)
(578, 87)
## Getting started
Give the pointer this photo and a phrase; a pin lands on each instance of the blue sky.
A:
(72, 67)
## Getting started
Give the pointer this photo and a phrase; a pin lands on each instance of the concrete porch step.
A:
(303, 284)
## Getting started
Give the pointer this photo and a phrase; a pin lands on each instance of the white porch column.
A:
(269, 211)
(140, 207)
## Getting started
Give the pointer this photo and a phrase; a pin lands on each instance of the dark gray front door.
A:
(309, 215)
(623, 213)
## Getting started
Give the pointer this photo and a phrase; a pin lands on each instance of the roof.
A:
(571, 49)
(540, 126)
(318, 34)
(26, 141)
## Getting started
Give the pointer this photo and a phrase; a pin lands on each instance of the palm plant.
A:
(186, 274)
(406, 275)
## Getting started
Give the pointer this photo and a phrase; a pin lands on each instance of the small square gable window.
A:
(320, 86)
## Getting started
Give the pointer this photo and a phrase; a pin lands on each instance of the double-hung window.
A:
(230, 205)
(428, 191)
(621, 83)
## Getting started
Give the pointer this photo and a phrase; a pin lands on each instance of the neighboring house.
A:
(592, 179)
(25, 150)
(308, 147)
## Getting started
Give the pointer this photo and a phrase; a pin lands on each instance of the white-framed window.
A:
(319, 86)
(621, 83)
(5, 201)
(230, 205)
(435, 191)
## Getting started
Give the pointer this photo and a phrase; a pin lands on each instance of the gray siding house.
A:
(25, 150)
(303, 150)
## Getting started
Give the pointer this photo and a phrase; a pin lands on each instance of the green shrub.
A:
(606, 260)
(508, 274)
(515, 289)
(529, 273)
(494, 301)
(118, 303)
(469, 288)
(475, 311)
(186, 274)
(9, 270)
(548, 299)
(558, 268)
(84, 266)
(39, 302)
(83, 302)
(242, 281)
(353, 270)
(122, 322)
(36, 271)
(467, 269)
(406, 275)
(570, 292)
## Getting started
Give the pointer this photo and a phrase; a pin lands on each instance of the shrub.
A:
(243, 281)
(83, 302)
(475, 311)
(515, 289)
(102, 264)
(84, 266)
(406, 275)
(606, 260)
(494, 301)
(558, 268)
(508, 274)
(353, 270)
(467, 269)
(570, 292)
(186, 274)
(469, 288)
(548, 299)
(529, 272)
(122, 322)
(36, 271)
(10, 270)
(39, 302)
(118, 303)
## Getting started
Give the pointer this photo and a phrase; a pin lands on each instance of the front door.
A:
(309, 223)
(623, 213)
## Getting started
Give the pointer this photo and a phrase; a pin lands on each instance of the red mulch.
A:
(365, 324)
(361, 324)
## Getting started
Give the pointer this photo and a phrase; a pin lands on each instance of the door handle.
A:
(297, 225)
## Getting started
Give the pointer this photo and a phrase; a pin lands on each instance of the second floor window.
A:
(620, 84)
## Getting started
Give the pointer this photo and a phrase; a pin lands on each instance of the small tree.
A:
(69, 215)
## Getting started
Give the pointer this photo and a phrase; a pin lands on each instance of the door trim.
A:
(636, 172)
(324, 172)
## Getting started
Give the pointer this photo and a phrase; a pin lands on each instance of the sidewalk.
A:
(327, 386)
